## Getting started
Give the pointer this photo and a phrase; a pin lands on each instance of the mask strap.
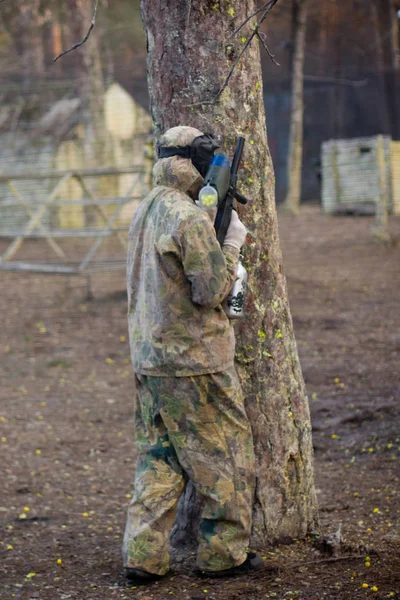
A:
(164, 152)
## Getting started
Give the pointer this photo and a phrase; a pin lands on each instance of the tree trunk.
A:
(388, 24)
(89, 72)
(295, 152)
(380, 64)
(323, 38)
(190, 53)
(337, 36)
(24, 24)
(97, 146)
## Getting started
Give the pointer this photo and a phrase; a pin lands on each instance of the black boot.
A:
(253, 562)
(141, 576)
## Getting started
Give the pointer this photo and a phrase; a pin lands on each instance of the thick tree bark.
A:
(190, 53)
(295, 152)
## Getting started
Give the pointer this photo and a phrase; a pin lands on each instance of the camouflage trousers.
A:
(192, 428)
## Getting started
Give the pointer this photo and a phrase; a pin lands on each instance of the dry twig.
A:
(261, 37)
(85, 38)
(250, 17)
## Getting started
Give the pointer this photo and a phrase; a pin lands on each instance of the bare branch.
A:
(267, 7)
(340, 80)
(83, 40)
(250, 17)
(261, 37)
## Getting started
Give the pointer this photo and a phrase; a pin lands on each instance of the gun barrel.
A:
(238, 155)
(224, 213)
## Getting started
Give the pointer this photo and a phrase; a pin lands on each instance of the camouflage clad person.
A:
(190, 419)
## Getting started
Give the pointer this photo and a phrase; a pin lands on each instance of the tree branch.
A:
(267, 7)
(261, 37)
(84, 39)
(251, 16)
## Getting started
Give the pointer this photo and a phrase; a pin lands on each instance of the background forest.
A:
(351, 70)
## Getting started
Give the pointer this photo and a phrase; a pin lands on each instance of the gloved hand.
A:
(236, 234)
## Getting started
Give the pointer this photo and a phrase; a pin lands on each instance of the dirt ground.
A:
(67, 452)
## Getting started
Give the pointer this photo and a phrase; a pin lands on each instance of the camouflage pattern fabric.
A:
(192, 427)
(177, 276)
(178, 172)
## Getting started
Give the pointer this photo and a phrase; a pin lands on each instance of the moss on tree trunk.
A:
(190, 53)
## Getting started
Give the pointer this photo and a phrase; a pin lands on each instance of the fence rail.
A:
(106, 209)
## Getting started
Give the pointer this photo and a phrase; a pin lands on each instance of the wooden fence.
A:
(41, 218)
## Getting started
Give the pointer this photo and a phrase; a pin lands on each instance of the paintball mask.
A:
(200, 152)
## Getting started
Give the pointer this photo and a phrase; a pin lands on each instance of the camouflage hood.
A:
(177, 172)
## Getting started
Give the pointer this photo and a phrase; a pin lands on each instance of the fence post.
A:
(335, 171)
(380, 229)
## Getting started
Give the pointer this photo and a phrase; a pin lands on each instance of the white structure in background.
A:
(126, 129)
(57, 142)
(358, 174)
(71, 190)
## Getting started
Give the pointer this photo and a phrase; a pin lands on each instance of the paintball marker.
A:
(219, 190)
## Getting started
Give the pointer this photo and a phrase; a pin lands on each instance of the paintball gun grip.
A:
(240, 198)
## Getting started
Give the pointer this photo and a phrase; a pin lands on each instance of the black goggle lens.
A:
(202, 152)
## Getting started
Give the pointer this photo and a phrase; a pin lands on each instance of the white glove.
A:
(237, 232)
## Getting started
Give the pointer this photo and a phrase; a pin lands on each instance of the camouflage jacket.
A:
(177, 277)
